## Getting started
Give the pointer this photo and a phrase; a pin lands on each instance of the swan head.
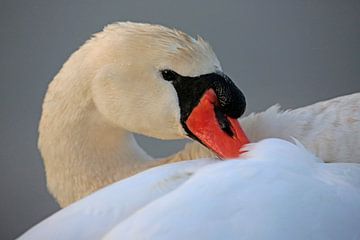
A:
(162, 83)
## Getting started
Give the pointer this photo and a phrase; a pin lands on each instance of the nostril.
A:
(223, 121)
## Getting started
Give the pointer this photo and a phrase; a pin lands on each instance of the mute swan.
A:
(117, 83)
(280, 191)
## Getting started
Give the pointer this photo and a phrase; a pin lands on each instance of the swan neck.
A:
(82, 151)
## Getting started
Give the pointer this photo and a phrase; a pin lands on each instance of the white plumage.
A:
(281, 191)
(330, 129)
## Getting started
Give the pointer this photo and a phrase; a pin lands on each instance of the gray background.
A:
(288, 52)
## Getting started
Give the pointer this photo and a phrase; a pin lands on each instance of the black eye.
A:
(169, 75)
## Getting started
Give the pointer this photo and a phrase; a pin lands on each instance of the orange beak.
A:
(215, 130)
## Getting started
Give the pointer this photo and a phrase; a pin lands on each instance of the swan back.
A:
(279, 191)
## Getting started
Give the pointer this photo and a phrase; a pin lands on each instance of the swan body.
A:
(280, 191)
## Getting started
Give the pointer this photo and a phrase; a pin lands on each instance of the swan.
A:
(275, 190)
(93, 105)
(121, 81)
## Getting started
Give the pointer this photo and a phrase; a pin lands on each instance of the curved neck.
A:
(83, 152)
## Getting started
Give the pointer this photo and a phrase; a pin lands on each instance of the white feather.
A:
(281, 191)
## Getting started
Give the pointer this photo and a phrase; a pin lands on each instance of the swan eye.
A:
(169, 75)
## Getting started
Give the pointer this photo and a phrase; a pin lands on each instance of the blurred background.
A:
(289, 52)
